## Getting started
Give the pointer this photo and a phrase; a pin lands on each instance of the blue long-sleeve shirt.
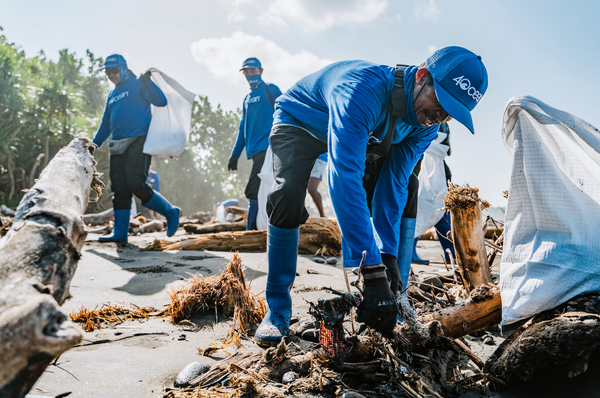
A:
(257, 120)
(127, 112)
(345, 105)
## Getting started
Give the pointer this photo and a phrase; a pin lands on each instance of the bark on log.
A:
(199, 229)
(238, 211)
(318, 236)
(99, 218)
(39, 257)
(482, 309)
(467, 234)
(552, 337)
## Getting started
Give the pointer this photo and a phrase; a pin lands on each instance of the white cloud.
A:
(432, 49)
(427, 10)
(223, 58)
(234, 8)
(322, 14)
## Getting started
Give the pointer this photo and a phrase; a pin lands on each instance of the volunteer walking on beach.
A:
(127, 118)
(253, 134)
(357, 111)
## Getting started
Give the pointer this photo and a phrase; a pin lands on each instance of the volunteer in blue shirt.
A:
(348, 109)
(253, 134)
(127, 118)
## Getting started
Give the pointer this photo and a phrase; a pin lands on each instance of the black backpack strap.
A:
(397, 108)
(399, 92)
(270, 96)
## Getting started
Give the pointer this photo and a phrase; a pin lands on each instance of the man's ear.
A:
(422, 75)
(261, 70)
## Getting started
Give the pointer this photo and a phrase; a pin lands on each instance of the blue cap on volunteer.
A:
(114, 60)
(251, 63)
(460, 80)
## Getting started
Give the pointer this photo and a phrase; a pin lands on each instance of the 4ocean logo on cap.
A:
(465, 84)
(111, 60)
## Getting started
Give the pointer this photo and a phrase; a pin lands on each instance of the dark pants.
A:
(370, 181)
(128, 173)
(294, 154)
(254, 180)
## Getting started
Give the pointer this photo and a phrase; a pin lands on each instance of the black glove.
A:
(378, 308)
(232, 165)
(91, 148)
(393, 273)
(145, 78)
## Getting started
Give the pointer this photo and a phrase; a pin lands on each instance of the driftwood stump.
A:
(467, 234)
(566, 335)
(39, 257)
(481, 310)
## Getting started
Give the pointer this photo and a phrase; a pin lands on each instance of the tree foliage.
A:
(45, 104)
(198, 178)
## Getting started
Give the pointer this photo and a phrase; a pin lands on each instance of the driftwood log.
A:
(39, 257)
(567, 335)
(467, 234)
(481, 310)
(150, 226)
(238, 211)
(318, 236)
(200, 229)
(99, 218)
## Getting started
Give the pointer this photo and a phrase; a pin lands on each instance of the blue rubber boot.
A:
(282, 252)
(405, 247)
(252, 213)
(162, 206)
(120, 227)
(442, 228)
(415, 257)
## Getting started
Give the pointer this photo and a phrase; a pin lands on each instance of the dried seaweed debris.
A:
(108, 314)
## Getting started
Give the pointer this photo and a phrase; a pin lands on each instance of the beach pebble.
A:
(331, 261)
(289, 377)
(489, 340)
(352, 394)
(189, 373)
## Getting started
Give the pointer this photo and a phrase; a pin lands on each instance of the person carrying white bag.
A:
(127, 118)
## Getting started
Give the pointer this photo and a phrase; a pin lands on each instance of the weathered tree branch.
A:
(39, 257)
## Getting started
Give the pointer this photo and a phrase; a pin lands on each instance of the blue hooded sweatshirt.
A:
(257, 120)
(127, 112)
(346, 105)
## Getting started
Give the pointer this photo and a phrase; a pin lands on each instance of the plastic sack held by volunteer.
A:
(358, 111)
(126, 119)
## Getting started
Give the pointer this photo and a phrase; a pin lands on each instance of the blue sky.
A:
(547, 49)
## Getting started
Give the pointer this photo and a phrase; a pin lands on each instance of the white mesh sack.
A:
(170, 126)
(552, 245)
(266, 182)
(432, 184)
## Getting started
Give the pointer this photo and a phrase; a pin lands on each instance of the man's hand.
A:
(91, 148)
(145, 78)
(232, 165)
(393, 273)
(378, 308)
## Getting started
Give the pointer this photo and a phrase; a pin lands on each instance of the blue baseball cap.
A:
(460, 80)
(114, 60)
(251, 63)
